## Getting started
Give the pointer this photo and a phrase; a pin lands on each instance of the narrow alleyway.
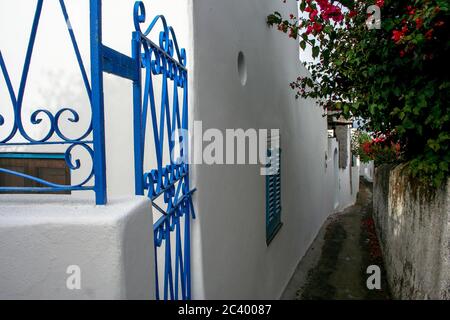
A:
(335, 266)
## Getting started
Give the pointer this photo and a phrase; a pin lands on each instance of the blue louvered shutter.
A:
(273, 195)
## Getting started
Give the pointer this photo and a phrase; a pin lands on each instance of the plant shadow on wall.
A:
(390, 75)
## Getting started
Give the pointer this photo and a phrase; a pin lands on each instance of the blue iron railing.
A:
(169, 182)
(92, 139)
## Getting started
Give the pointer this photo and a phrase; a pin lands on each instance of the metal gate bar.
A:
(169, 182)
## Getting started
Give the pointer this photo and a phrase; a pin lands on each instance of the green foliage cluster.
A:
(359, 139)
(395, 77)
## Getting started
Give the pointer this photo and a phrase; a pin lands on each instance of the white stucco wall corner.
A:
(231, 199)
(41, 237)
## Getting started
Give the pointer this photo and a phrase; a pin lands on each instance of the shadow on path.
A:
(335, 266)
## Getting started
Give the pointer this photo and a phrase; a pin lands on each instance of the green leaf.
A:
(303, 44)
(303, 5)
(315, 52)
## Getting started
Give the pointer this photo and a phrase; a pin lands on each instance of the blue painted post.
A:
(187, 252)
(187, 231)
(137, 117)
(98, 116)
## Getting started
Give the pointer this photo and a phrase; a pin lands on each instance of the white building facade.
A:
(239, 75)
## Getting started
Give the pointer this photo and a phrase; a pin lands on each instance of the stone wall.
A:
(343, 136)
(414, 229)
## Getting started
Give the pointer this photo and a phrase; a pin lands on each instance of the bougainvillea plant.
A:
(378, 147)
(359, 140)
(395, 77)
(381, 149)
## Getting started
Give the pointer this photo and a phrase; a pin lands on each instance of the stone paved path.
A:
(336, 263)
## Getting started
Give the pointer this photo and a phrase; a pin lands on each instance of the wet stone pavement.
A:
(335, 266)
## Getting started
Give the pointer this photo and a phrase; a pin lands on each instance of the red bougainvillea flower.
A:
(309, 29)
(318, 27)
(380, 3)
(411, 10)
(329, 11)
(397, 35)
(419, 23)
(313, 15)
(352, 13)
(374, 245)
(367, 147)
(339, 18)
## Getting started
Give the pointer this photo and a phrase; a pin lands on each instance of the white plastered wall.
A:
(230, 258)
(232, 253)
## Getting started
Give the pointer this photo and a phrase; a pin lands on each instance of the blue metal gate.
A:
(168, 182)
(92, 140)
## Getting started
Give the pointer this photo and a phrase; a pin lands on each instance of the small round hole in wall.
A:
(242, 68)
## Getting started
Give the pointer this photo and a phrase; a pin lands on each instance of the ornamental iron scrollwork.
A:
(167, 186)
(51, 120)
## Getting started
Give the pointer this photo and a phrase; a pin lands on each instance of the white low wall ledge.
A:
(43, 239)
